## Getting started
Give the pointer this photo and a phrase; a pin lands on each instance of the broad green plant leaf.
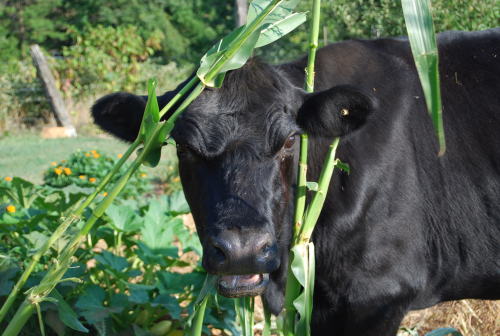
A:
(303, 268)
(114, 262)
(123, 218)
(444, 332)
(421, 33)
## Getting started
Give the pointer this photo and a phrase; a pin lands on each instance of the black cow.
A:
(405, 229)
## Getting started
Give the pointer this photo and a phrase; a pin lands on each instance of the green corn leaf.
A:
(420, 27)
(151, 113)
(218, 51)
(444, 332)
(267, 28)
(274, 31)
(303, 268)
(284, 9)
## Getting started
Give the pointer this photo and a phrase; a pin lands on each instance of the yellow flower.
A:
(93, 151)
(120, 156)
(144, 175)
(10, 208)
(104, 194)
(63, 161)
(8, 178)
(87, 154)
(53, 163)
(176, 179)
(58, 171)
(67, 171)
(92, 179)
(82, 177)
(96, 155)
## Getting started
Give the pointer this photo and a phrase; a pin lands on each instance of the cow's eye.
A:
(289, 142)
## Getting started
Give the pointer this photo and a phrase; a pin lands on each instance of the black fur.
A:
(405, 229)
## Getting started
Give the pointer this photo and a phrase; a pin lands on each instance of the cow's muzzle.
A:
(243, 261)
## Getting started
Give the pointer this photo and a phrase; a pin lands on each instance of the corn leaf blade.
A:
(421, 33)
(274, 31)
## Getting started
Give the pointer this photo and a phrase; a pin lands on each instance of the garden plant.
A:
(136, 274)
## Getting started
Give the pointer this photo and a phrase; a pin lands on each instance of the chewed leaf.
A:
(276, 30)
(342, 166)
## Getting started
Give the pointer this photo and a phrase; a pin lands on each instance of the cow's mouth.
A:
(242, 285)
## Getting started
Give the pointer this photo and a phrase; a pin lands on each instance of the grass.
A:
(27, 155)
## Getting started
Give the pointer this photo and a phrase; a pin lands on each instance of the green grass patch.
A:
(28, 155)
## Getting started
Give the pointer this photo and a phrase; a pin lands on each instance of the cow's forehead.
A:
(251, 108)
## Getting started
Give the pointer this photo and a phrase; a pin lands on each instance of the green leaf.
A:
(444, 332)
(342, 166)
(303, 268)
(283, 10)
(37, 239)
(66, 313)
(6, 280)
(123, 218)
(313, 186)
(176, 203)
(90, 303)
(151, 113)
(219, 50)
(170, 303)
(420, 27)
(114, 262)
(276, 30)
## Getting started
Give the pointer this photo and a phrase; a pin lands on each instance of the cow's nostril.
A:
(219, 253)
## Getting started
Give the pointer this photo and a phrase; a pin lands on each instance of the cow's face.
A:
(238, 151)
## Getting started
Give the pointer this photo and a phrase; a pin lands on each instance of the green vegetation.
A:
(101, 46)
(139, 269)
(27, 156)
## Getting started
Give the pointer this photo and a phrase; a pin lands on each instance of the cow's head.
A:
(238, 152)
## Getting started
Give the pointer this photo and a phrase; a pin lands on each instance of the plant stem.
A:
(179, 95)
(313, 45)
(267, 323)
(300, 198)
(314, 209)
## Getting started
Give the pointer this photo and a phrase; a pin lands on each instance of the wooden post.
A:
(240, 10)
(55, 98)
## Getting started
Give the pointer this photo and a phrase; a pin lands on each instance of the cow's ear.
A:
(120, 114)
(334, 112)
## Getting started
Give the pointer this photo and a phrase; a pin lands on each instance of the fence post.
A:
(55, 98)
